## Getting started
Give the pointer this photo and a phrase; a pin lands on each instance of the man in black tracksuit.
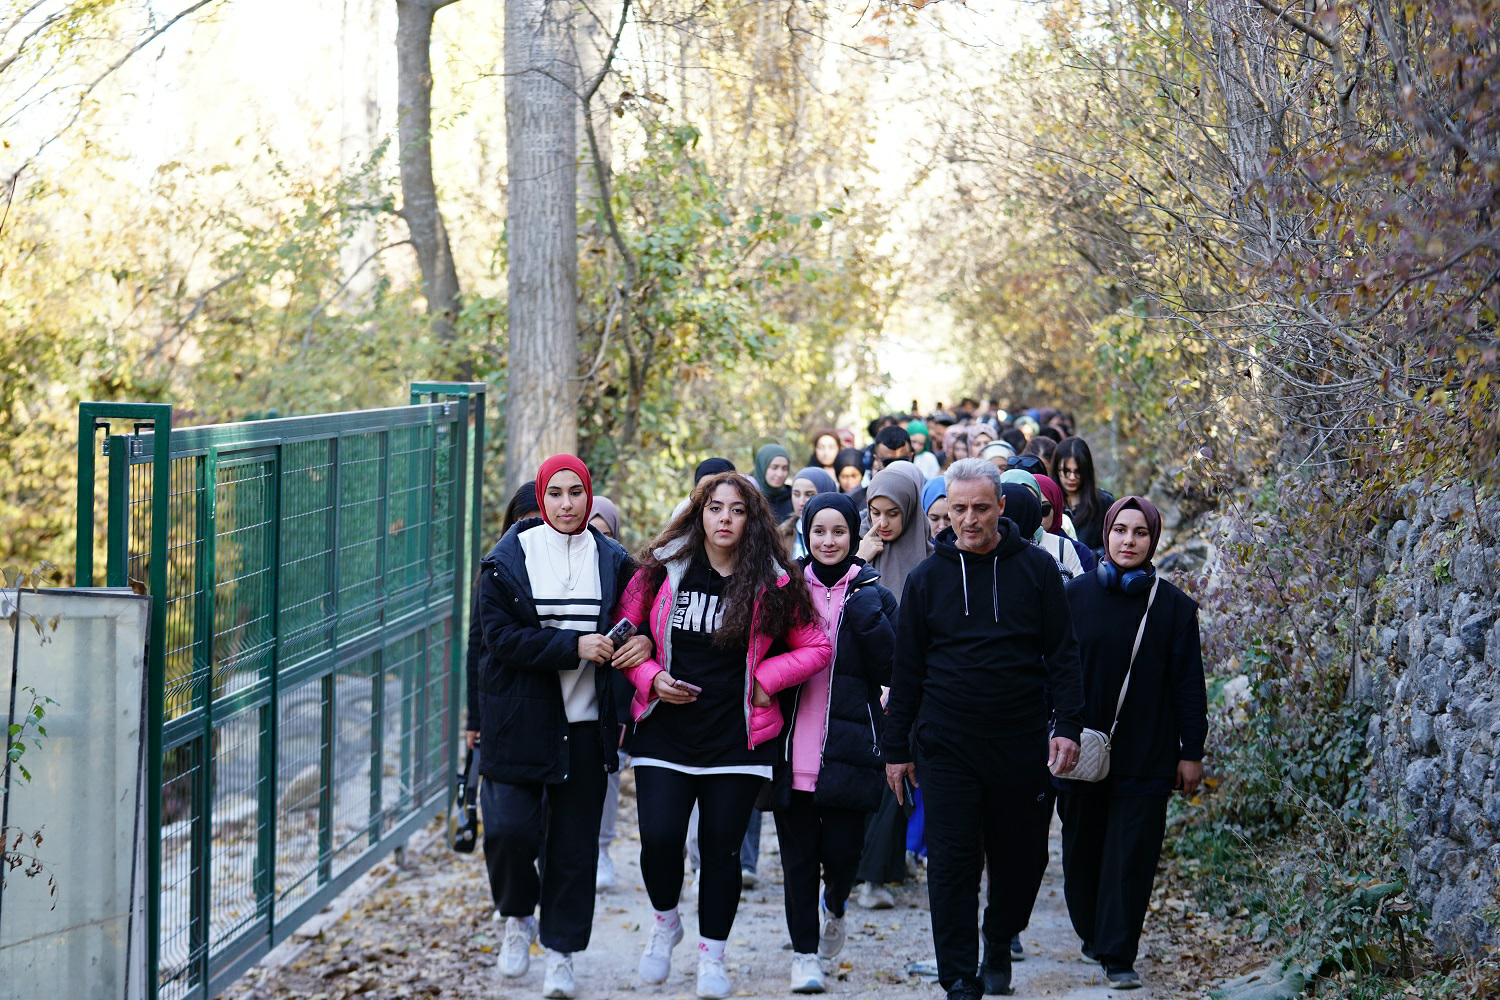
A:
(984, 638)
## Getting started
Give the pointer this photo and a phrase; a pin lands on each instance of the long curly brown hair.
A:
(759, 550)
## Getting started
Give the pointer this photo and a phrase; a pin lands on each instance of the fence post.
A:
(90, 417)
(471, 397)
(477, 393)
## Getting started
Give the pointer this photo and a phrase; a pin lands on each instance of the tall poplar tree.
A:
(541, 145)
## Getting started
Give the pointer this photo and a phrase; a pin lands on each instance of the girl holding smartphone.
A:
(546, 596)
(714, 591)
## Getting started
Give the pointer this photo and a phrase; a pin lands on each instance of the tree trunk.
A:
(541, 145)
(359, 132)
(419, 203)
(595, 27)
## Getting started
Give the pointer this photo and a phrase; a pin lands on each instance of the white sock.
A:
(711, 948)
(667, 918)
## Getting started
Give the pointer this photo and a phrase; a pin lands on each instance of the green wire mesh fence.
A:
(309, 578)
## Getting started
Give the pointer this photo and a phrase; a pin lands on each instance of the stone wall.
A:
(1434, 632)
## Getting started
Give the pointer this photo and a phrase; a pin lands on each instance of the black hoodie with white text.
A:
(984, 641)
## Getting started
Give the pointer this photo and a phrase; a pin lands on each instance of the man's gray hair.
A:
(969, 469)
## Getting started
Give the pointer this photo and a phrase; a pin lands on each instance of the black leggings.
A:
(815, 837)
(665, 799)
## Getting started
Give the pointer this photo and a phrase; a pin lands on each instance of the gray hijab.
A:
(901, 556)
(906, 469)
(822, 481)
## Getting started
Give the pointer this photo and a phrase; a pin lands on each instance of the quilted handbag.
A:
(1093, 745)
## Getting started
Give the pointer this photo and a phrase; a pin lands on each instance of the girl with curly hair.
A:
(715, 591)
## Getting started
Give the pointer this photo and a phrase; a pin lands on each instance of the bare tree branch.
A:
(1291, 20)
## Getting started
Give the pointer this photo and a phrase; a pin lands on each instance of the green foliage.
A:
(1311, 321)
(1328, 894)
(301, 299)
(17, 844)
(1283, 830)
(229, 303)
(30, 727)
(712, 299)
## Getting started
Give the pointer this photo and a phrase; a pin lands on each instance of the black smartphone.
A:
(908, 796)
(621, 633)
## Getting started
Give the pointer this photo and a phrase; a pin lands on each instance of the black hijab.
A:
(849, 458)
(711, 467)
(829, 575)
(1022, 507)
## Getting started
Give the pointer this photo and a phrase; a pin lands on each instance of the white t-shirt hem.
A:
(754, 770)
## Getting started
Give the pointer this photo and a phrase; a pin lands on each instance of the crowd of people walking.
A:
(909, 653)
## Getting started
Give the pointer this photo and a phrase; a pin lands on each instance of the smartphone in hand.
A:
(686, 686)
(621, 633)
(908, 796)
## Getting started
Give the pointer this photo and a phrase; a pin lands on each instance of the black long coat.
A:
(523, 724)
(853, 771)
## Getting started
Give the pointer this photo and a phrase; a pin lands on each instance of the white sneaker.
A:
(713, 980)
(748, 878)
(656, 960)
(807, 974)
(515, 951)
(604, 878)
(559, 983)
(831, 941)
(875, 897)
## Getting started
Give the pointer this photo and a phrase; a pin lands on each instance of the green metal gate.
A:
(309, 586)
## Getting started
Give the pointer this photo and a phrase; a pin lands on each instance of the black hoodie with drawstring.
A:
(982, 645)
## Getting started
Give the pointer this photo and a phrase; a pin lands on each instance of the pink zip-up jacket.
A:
(808, 648)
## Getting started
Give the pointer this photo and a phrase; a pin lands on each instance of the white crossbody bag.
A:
(1093, 745)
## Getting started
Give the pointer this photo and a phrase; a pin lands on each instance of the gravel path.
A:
(426, 931)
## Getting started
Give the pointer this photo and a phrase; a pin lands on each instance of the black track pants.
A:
(986, 799)
(1111, 844)
(541, 844)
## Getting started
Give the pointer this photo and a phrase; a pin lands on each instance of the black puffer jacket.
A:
(853, 769)
(522, 721)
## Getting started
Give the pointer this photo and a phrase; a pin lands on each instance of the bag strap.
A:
(1140, 633)
(470, 786)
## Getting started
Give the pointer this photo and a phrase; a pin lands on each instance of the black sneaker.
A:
(1017, 953)
(965, 991)
(1122, 977)
(995, 972)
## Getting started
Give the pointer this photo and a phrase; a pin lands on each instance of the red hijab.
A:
(1054, 495)
(565, 463)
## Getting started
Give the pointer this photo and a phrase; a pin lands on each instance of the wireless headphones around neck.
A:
(1128, 581)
